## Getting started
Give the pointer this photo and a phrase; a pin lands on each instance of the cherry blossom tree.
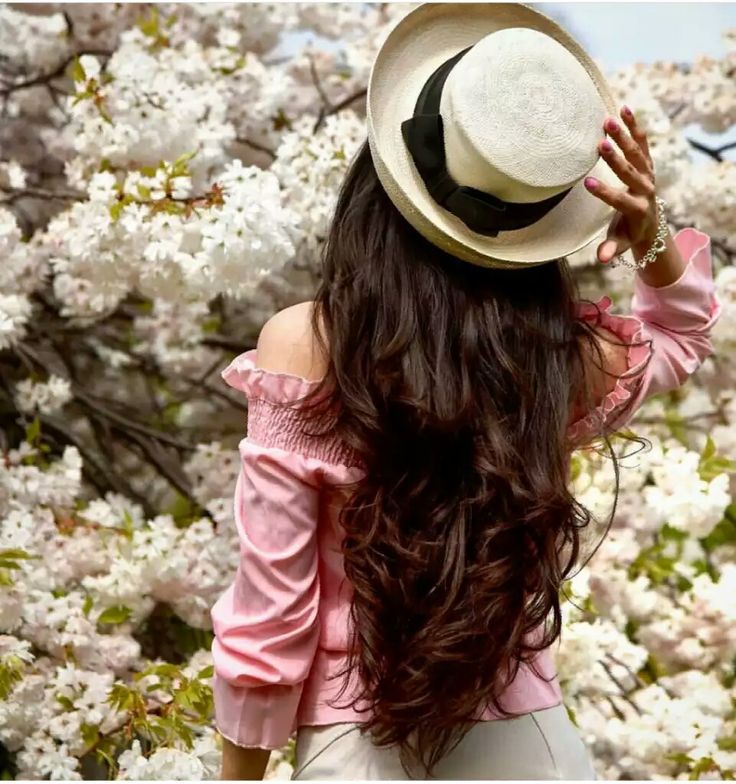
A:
(167, 174)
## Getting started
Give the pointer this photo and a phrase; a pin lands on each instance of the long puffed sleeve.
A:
(266, 624)
(667, 333)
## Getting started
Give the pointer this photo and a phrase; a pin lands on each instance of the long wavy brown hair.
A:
(455, 383)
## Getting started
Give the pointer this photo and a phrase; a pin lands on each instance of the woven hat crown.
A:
(522, 116)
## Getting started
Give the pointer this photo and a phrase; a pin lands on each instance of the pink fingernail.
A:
(606, 145)
(627, 111)
(591, 182)
(612, 125)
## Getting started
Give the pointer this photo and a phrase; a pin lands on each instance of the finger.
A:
(637, 133)
(631, 150)
(625, 171)
(616, 241)
(631, 204)
(611, 247)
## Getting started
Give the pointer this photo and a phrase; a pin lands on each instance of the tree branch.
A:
(338, 107)
(716, 153)
(40, 193)
(102, 477)
(55, 74)
(255, 146)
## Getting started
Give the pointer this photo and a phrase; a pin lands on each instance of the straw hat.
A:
(483, 121)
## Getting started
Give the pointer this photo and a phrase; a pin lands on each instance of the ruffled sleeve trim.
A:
(275, 421)
(258, 383)
(630, 331)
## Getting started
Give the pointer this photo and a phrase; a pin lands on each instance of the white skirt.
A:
(543, 744)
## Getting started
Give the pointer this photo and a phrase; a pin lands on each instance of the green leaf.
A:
(709, 449)
(90, 733)
(116, 614)
(680, 758)
(631, 628)
(149, 26)
(158, 729)
(87, 606)
(702, 566)
(76, 71)
(128, 526)
(33, 430)
(673, 534)
(103, 756)
(115, 210)
(63, 700)
(712, 464)
(104, 114)
(79, 97)
(723, 533)
(11, 672)
(180, 168)
(17, 554)
(144, 191)
(121, 697)
(173, 208)
(682, 583)
(206, 672)
(281, 121)
(652, 670)
(164, 668)
(703, 765)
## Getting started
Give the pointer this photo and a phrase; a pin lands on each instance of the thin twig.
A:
(714, 152)
(39, 193)
(624, 694)
(639, 682)
(256, 146)
(112, 481)
(55, 74)
(100, 408)
(326, 103)
(171, 471)
(338, 107)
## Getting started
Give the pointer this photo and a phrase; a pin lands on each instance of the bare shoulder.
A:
(287, 344)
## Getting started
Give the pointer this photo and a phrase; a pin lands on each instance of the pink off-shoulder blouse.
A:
(281, 627)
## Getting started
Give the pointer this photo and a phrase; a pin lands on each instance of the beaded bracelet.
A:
(657, 246)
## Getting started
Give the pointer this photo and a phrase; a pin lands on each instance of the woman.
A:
(403, 504)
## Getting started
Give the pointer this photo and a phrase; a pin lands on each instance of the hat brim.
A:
(423, 39)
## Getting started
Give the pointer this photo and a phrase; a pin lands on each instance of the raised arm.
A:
(667, 335)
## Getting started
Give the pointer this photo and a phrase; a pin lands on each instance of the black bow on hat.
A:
(482, 212)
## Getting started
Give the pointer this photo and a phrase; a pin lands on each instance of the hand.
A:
(635, 223)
